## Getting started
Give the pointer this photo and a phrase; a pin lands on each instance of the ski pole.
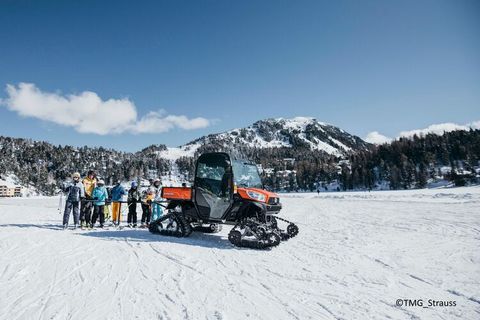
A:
(60, 203)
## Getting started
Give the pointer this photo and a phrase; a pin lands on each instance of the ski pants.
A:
(86, 211)
(146, 213)
(98, 213)
(156, 211)
(69, 205)
(132, 212)
(116, 206)
(106, 211)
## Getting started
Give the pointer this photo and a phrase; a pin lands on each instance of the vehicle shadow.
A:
(195, 239)
(31, 225)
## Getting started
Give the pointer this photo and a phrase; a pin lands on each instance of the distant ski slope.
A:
(356, 254)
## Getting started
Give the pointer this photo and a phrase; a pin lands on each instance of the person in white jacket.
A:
(156, 208)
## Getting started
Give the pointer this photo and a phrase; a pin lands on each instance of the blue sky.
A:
(364, 66)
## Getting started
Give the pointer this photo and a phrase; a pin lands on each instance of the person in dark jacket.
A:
(132, 199)
(75, 193)
(89, 183)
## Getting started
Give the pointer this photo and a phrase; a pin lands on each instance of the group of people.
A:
(90, 200)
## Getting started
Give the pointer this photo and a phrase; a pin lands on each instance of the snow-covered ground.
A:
(356, 254)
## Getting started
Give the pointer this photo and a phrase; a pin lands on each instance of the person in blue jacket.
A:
(117, 194)
(99, 196)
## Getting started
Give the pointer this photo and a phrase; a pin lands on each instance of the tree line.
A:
(402, 164)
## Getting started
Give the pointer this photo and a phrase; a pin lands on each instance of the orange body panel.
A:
(177, 193)
(243, 193)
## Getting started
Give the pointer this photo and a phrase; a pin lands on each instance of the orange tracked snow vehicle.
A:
(225, 191)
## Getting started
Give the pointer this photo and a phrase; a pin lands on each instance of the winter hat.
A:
(101, 182)
(76, 175)
(134, 184)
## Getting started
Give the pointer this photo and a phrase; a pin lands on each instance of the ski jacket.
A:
(75, 191)
(158, 193)
(133, 195)
(149, 197)
(89, 185)
(118, 192)
(100, 194)
(148, 193)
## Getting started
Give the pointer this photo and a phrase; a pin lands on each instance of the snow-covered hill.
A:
(45, 165)
(298, 132)
(356, 254)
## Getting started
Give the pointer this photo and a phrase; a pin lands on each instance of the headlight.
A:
(256, 195)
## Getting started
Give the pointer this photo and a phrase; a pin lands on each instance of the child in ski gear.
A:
(132, 199)
(89, 183)
(148, 195)
(117, 194)
(156, 208)
(99, 195)
(75, 193)
(108, 204)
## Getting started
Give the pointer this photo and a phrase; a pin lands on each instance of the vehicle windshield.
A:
(245, 174)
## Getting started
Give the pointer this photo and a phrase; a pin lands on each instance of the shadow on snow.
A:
(31, 225)
(195, 239)
(140, 235)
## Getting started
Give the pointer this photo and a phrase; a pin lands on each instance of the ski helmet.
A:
(134, 184)
(101, 182)
(76, 175)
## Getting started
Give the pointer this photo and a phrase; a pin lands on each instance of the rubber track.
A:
(184, 228)
(251, 243)
(285, 235)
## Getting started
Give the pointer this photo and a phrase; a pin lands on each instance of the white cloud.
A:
(440, 128)
(88, 113)
(158, 122)
(376, 138)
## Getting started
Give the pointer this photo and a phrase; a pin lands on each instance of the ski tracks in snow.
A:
(355, 255)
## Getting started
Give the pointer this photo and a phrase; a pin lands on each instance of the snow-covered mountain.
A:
(44, 165)
(300, 132)
(293, 154)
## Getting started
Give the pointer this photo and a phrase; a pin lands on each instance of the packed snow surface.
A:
(356, 254)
